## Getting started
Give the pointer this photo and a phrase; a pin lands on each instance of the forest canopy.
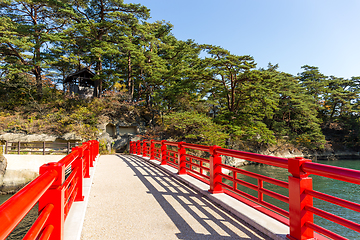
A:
(218, 99)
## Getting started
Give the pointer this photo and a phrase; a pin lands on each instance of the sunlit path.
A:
(132, 199)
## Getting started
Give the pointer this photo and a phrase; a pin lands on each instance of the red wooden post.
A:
(94, 149)
(144, 148)
(78, 163)
(92, 152)
(87, 159)
(138, 148)
(163, 153)
(298, 200)
(215, 170)
(260, 186)
(181, 159)
(90, 155)
(135, 148)
(152, 150)
(54, 195)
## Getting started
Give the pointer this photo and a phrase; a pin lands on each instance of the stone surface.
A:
(121, 143)
(15, 179)
(71, 137)
(16, 137)
(3, 164)
(21, 169)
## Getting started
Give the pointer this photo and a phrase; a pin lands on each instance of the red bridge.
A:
(199, 174)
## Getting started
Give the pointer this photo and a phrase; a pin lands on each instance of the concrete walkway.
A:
(132, 199)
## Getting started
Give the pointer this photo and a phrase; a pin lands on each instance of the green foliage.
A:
(144, 72)
(103, 147)
(194, 128)
(295, 116)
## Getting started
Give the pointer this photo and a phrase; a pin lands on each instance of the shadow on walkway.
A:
(193, 214)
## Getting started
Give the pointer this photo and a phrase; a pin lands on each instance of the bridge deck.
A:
(132, 199)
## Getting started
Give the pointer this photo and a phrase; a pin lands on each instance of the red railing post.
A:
(91, 146)
(130, 147)
(163, 153)
(88, 154)
(299, 182)
(260, 186)
(152, 150)
(144, 147)
(55, 195)
(95, 151)
(138, 148)
(92, 151)
(181, 159)
(78, 163)
(215, 170)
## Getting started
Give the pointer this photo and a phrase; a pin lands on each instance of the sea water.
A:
(340, 189)
(24, 226)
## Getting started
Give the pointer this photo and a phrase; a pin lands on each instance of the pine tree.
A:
(27, 29)
(296, 115)
(96, 23)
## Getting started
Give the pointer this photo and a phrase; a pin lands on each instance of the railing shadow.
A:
(193, 214)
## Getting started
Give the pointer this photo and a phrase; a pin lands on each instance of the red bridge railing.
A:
(299, 218)
(57, 187)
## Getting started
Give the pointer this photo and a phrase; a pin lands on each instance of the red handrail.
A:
(39, 223)
(15, 208)
(338, 173)
(299, 186)
(254, 157)
(54, 194)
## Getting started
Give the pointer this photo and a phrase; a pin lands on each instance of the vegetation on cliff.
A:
(144, 72)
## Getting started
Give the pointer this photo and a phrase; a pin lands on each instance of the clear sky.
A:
(291, 33)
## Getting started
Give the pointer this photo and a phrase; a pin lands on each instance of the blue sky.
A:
(291, 33)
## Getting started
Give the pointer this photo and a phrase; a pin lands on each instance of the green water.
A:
(335, 188)
(20, 231)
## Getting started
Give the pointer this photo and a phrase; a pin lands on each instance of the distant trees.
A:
(103, 30)
(166, 78)
(27, 29)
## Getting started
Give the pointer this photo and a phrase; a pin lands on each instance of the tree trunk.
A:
(39, 87)
(130, 79)
(98, 82)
